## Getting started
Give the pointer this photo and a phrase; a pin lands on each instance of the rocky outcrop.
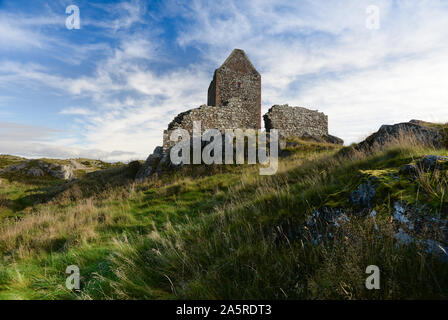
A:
(411, 225)
(39, 168)
(60, 171)
(333, 139)
(415, 217)
(151, 164)
(427, 163)
(414, 131)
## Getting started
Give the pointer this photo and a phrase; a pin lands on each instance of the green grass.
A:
(257, 248)
(86, 166)
(86, 225)
(7, 160)
(218, 232)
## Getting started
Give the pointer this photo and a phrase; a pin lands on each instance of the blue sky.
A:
(109, 89)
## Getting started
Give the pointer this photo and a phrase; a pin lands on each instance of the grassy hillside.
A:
(80, 167)
(224, 231)
(20, 191)
(7, 160)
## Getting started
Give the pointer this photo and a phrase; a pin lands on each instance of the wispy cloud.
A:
(316, 54)
(120, 16)
(321, 55)
(35, 141)
(76, 111)
(25, 31)
(15, 132)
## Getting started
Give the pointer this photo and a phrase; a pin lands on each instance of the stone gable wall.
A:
(296, 121)
(237, 78)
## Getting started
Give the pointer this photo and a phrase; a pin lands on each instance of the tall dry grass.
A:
(51, 230)
(254, 246)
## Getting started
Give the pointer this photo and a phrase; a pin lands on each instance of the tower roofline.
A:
(238, 52)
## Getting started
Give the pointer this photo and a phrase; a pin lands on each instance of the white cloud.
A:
(14, 132)
(136, 124)
(24, 32)
(121, 16)
(316, 54)
(40, 150)
(320, 55)
(76, 111)
(36, 142)
(131, 105)
(357, 104)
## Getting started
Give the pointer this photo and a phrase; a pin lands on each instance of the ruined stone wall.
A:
(234, 102)
(237, 78)
(296, 121)
(232, 116)
(211, 95)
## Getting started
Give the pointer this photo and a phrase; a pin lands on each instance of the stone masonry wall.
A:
(237, 78)
(296, 121)
(232, 116)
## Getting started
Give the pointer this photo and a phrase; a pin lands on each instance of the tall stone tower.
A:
(237, 78)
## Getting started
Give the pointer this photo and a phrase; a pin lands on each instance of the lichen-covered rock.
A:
(325, 222)
(433, 162)
(322, 139)
(14, 167)
(76, 165)
(156, 163)
(158, 152)
(414, 224)
(416, 215)
(425, 164)
(165, 163)
(364, 194)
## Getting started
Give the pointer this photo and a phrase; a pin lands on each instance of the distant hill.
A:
(7, 160)
(13, 167)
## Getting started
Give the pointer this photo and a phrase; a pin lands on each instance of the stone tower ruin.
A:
(237, 78)
(234, 102)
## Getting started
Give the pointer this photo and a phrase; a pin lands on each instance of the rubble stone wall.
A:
(296, 121)
(232, 116)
